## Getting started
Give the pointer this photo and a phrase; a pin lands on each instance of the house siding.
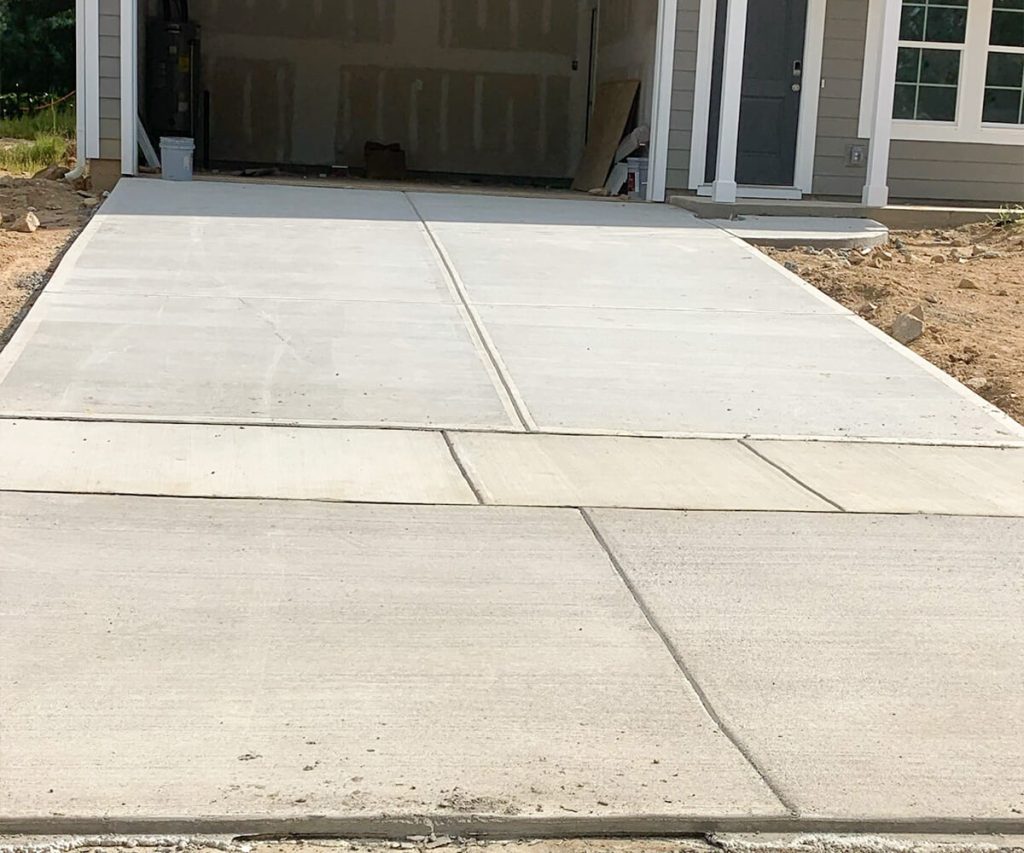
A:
(110, 79)
(683, 81)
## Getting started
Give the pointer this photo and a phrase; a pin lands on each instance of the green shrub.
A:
(1009, 216)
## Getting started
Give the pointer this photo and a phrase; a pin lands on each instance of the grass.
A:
(45, 150)
(55, 122)
(1009, 216)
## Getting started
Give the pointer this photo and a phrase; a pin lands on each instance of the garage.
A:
(488, 90)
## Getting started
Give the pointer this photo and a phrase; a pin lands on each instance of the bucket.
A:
(636, 183)
(176, 154)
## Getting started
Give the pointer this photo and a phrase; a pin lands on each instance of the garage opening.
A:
(491, 90)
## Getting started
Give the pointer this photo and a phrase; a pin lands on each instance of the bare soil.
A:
(969, 283)
(28, 260)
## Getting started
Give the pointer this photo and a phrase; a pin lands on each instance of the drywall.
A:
(625, 47)
(478, 86)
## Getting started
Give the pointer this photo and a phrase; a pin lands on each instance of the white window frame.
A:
(968, 126)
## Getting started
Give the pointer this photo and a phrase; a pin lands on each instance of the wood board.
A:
(612, 107)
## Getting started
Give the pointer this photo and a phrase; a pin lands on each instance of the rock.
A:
(884, 255)
(907, 328)
(1002, 292)
(27, 223)
(51, 173)
(968, 284)
(990, 255)
(938, 259)
(792, 267)
(917, 311)
(897, 243)
(84, 194)
(856, 259)
(90, 202)
(931, 297)
(867, 310)
(976, 382)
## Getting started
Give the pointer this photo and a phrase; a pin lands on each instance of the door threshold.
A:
(750, 191)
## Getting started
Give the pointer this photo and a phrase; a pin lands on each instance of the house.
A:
(866, 100)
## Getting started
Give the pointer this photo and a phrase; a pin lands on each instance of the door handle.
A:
(796, 87)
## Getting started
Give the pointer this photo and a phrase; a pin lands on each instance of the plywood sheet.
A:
(607, 127)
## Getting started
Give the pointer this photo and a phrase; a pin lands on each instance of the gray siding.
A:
(839, 103)
(682, 94)
(110, 80)
(962, 171)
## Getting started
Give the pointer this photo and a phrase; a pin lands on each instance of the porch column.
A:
(876, 190)
(724, 187)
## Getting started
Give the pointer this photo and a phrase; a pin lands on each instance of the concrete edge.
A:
(391, 827)
(863, 240)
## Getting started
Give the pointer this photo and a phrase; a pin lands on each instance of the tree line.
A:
(37, 52)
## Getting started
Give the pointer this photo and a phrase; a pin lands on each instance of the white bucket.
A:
(176, 154)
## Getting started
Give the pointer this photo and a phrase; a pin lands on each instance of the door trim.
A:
(807, 127)
(661, 102)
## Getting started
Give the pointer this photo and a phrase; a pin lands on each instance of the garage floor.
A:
(383, 513)
(271, 304)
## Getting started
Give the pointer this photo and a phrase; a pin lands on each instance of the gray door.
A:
(770, 98)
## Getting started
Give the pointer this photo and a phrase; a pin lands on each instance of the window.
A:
(959, 71)
(1004, 77)
(928, 77)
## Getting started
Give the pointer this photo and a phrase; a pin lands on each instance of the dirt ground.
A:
(808, 843)
(968, 283)
(27, 259)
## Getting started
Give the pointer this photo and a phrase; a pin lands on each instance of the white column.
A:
(129, 86)
(876, 190)
(724, 187)
(661, 105)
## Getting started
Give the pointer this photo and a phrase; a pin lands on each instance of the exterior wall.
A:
(842, 63)
(110, 79)
(681, 124)
(956, 171)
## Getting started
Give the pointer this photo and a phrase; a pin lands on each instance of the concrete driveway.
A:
(272, 304)
(383, 513)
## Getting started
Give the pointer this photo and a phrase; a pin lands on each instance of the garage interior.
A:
(499, 89)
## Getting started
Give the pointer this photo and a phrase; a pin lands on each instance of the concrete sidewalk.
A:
(383, 513)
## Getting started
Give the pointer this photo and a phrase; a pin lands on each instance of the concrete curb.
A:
(394, 827)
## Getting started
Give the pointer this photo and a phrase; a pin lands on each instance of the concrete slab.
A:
(785, 232)
(564, 470)
(374, 466)
(870, 665)
(907, 478)
(729, 374)
(248, 360)
(249, 240)
(237, 658)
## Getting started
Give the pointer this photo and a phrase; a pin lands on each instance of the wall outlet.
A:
(856, 155)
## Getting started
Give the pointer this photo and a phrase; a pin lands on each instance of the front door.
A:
(770, 97)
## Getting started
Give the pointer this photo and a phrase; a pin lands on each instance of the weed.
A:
(1009, 216)
(57, 122)
(45, 150)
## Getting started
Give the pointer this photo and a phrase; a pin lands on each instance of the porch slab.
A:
(193, 460)
(787, 232)
(207, 659)
(870, 665)
(570, 470)
(896, 478)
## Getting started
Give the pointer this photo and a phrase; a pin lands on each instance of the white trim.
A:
(757, 192)
(90, 60)
(968, 126)
(723, 188)
(81, 86)
(876, 188)
(702, 92)
(129, 86)
(807, 128)
(661, 103)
